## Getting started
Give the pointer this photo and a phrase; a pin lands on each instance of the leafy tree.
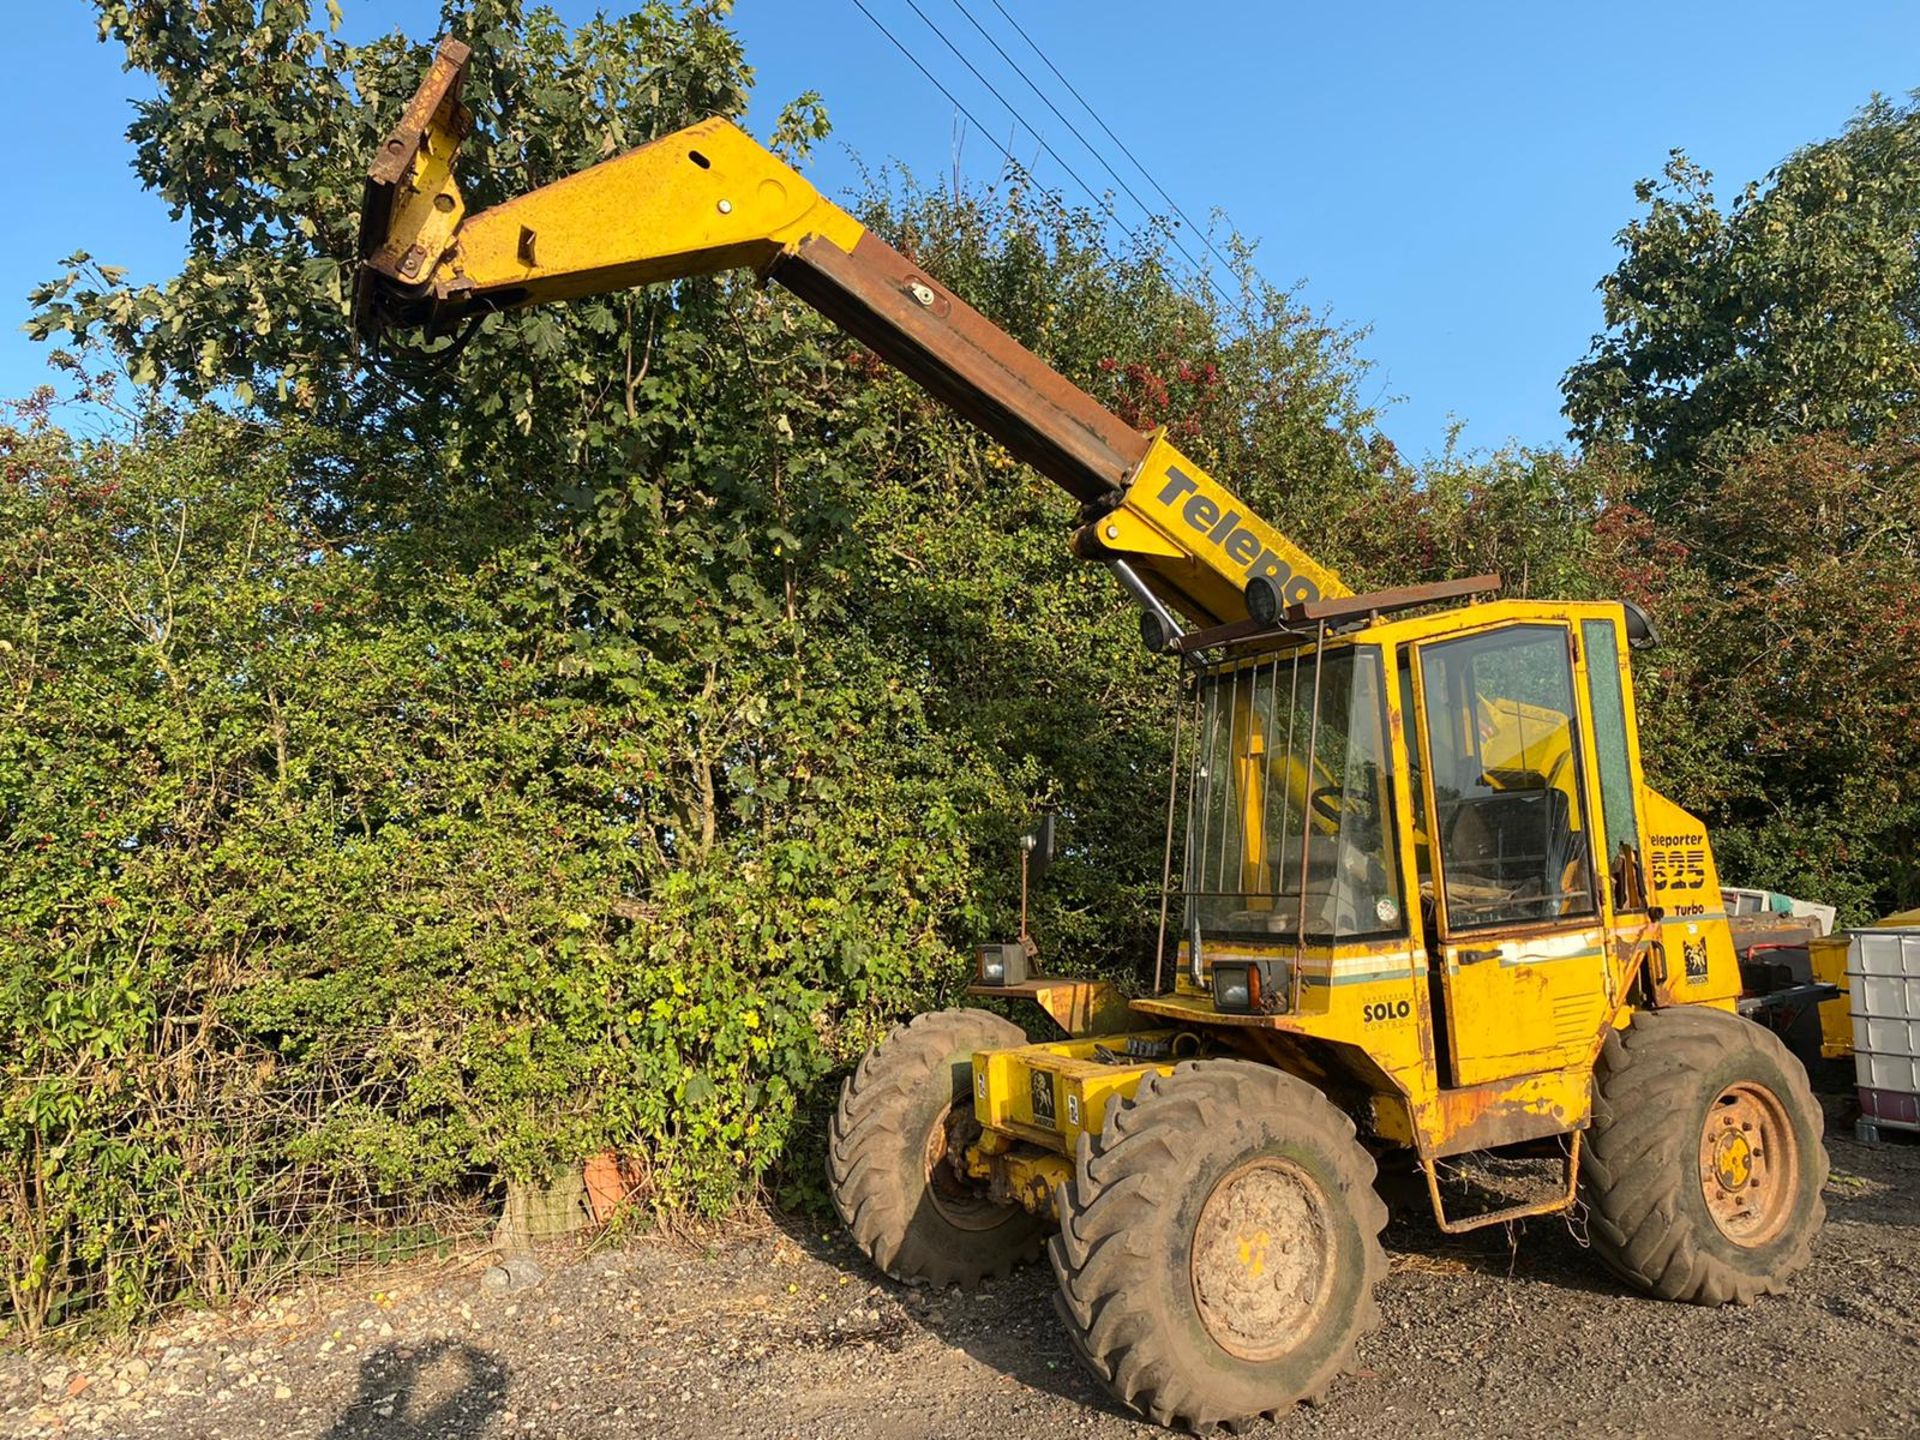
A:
(591, 739)
(1792, 611)
(1793, 311)
(428, 771)
(1753, 396)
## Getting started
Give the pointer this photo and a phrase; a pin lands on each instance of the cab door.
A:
(1522, 924)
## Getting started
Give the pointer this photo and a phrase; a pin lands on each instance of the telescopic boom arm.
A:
(709, 198)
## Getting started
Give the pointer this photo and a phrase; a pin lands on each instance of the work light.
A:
(1265, 603)
(1001, 964)
(1249, 987)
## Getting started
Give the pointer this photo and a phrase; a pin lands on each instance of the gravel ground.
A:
(780, 1331)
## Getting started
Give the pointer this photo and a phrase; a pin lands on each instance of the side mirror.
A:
(1037, 844)
(1640, 628)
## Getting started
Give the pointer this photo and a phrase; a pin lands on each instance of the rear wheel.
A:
(903, 1113)
(1219, 1245)
(1704, 1168)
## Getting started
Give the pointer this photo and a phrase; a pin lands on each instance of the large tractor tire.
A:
(901, 1112)
(1219, 1245)
(1703, 1170)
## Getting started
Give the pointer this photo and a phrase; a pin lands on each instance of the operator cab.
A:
(1454, 792)
(1497, 740)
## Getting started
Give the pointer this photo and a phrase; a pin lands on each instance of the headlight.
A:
(1249, 987)
(1000, 965)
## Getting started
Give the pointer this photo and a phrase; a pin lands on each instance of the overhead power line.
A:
(1022, 120)
(1012, 110)
(1074, 130)
(1159, 189)
(952, 99)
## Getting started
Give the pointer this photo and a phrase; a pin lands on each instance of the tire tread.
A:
(872, 1197)
(1643, 1150)
(1121, 1179)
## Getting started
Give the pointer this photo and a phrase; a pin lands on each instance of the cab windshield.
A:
(1289, 819)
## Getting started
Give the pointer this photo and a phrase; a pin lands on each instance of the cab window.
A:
(1291, 815)
(1503, 748)
(1606, 690)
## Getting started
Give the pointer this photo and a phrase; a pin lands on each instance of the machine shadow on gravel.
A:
(1542, 1249)
(1008, 1325)
(445, 1390)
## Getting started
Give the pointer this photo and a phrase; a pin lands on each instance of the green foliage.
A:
(593, 741)
(1794, 311)
(1791, 602)
(433, 772)
(1754, 393)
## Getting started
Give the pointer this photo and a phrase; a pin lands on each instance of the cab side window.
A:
(1503, 743)
(1606, 689)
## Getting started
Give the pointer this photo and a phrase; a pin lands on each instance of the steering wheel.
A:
(1330, 803)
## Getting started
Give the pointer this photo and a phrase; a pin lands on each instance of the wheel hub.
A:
(1732, 1160)
(1748, 1164)
(1262, 1262)
(959, 1202)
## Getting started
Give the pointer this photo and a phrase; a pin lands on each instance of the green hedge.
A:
(421, 775)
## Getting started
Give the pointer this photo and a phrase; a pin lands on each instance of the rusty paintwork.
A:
(410, 206)
(1502, 1112)
(1553, 1205)
(1300, 620)
(1374, 604)
(913, 322)
(1749, 1164)
(709, 198)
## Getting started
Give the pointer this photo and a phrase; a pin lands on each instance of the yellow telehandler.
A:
(1427, 905)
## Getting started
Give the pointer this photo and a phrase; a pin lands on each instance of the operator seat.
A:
(1517, 843)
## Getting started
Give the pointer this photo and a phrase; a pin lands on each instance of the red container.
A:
(1898, 1108)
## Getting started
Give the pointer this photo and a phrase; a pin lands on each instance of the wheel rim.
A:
(1748, 1164)
(959, 1205)
(1262, 1259)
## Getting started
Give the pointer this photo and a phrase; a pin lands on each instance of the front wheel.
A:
(900, 1114)
(1703, 1172)
(1219, 1244)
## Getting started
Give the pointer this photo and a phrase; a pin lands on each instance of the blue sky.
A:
(1450, 175)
